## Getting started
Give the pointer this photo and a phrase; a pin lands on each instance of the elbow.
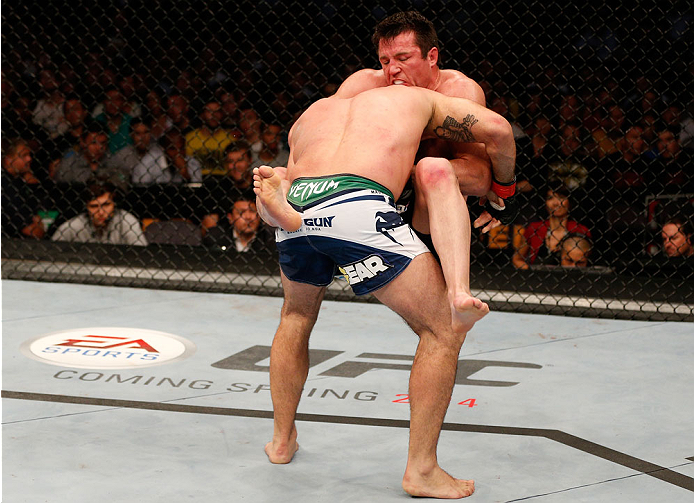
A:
(501, 132)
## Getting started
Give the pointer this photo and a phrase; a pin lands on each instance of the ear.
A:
(433, 56)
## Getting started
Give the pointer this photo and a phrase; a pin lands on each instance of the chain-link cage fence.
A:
(130, 128)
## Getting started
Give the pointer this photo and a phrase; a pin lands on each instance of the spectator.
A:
(607, 135)
(629, 168)
(116, 122)
(49, 109)
(144, 158)
(207, 143)
(236, 182)
(672, 164)
(569, 163)
(23, 197)
(102, 222)
(250, 125)
(677, 237)
(241, 230)
(541, 133)
(158, 120)
(92, 160)
(177, 110)
(272, 153)
(570, 110)
(531, 160)
(127, 88)
(506, 108)
(176, 167)
(229, 107)
(575, 250)
(540, 244)
(237, 163)
(76, 116)
(650, 124)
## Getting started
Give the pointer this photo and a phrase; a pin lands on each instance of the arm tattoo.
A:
(453, 130)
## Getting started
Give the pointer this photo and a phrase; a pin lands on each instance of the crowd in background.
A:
(104, 152)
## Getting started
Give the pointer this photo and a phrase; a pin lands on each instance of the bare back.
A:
(374, 134)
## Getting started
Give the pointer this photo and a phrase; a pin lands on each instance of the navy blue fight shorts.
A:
(349, 226)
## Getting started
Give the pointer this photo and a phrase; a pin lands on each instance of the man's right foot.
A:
(281, 454)
(466, 310)
(437, 484)
(272, 203)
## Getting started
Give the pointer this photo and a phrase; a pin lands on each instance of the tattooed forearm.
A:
(453, 130)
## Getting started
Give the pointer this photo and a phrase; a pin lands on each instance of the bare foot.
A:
(281, 454)
(437, 484)
(466, 310)
(271, 201)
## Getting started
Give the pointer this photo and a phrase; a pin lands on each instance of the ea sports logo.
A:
(108, 348)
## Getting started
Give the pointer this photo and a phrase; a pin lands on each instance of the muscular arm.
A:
(469, 160)
(461, 120)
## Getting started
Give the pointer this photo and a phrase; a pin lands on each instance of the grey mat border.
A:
(631, 462)
(270, 285)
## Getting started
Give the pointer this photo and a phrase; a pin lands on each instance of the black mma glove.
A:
(508, 213)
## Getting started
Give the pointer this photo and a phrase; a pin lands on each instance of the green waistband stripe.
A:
(305, 191)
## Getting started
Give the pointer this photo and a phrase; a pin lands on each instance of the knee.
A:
(432, 172)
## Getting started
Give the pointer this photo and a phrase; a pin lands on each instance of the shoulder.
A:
(578, 228)
(124, 216)
(457, 84)
(361, 81)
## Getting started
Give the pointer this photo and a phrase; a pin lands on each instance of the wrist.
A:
(504, 189)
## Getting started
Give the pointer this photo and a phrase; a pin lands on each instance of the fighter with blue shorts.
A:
(334, 239)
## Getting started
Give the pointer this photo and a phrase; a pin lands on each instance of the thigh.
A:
(301, 300)
(420, 297)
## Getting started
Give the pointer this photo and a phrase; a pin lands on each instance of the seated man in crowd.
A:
(271, 153)
(181, 168)
(241, 229)
(677, 236)
(149, 163)
(23, 196)
(92, 160)
(102, 222)
(237, 181)
(575, 250)
(207, 143)
(115, 119)
(143, 158)
(237, 163)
